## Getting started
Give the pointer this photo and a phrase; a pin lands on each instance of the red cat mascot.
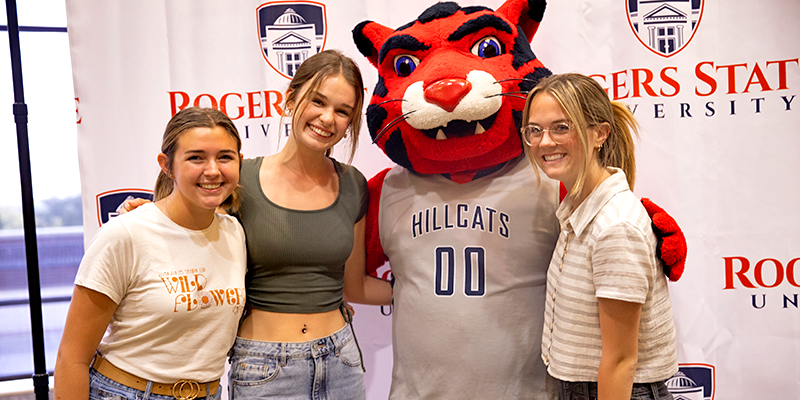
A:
(467, 231)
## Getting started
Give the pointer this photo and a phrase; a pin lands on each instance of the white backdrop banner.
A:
(713, 83)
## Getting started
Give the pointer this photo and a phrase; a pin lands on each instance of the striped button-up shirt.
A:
(606, 249)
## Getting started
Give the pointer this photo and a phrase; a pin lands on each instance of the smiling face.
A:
(204, 169)
(564, 161)
(324, 115)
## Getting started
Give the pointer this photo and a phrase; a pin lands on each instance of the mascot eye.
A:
(405, 64)
(487, 47)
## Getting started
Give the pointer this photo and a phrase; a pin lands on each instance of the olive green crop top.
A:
(295, 258)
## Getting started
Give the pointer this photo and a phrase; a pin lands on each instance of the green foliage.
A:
(10, 217)
(49, 212)
(59, 212)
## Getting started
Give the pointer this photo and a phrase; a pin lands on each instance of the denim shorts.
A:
(588, 391)
(103, 388)
(322, 369)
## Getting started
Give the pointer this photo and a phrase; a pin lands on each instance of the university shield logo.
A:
(108, 202)
(290, 32)
(692, 382)
(665, 26)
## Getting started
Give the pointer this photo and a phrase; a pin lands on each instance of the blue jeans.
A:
(103, 388)
(588, 391)
(322, 369)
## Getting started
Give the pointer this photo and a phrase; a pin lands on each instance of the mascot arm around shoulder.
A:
(449, 100)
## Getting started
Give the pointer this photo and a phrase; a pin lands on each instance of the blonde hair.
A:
(587, 105)
(184, 120)
(316, 69)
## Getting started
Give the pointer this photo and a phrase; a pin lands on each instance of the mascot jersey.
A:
(470, 268)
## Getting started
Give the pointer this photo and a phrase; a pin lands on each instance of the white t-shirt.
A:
(180, 293)
(606, 249)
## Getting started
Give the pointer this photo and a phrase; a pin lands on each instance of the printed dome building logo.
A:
(692, 382)
(290, 32)
(665, 26)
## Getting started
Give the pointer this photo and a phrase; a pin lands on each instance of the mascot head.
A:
(452, 85)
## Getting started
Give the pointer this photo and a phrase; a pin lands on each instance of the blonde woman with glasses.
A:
(608, 328)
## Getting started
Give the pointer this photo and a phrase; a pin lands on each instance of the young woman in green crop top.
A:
(302, 212)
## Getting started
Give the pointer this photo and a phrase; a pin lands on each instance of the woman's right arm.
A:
(358, 286)
(87, 319)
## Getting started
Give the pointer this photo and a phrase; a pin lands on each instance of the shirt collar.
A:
(579, 219)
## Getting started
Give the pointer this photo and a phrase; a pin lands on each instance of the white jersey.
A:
(470, 263)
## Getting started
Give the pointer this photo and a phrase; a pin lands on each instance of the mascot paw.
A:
(671, 248)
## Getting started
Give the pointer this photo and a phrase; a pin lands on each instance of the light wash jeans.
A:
(323, 369)
(102, 388)
(588, 391)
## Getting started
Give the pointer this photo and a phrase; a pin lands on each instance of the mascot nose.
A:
(446, 93)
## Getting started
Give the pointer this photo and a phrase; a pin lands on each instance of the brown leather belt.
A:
(182, 389)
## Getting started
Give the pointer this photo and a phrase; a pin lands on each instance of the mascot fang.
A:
(466, 230)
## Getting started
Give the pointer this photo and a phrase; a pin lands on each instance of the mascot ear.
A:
(525, 13)
(369, 36)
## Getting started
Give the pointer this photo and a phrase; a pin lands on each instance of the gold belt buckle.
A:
(189, 387)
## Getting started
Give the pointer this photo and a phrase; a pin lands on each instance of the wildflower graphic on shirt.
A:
(190, 287)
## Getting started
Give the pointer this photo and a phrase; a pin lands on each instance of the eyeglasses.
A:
(532, 134)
